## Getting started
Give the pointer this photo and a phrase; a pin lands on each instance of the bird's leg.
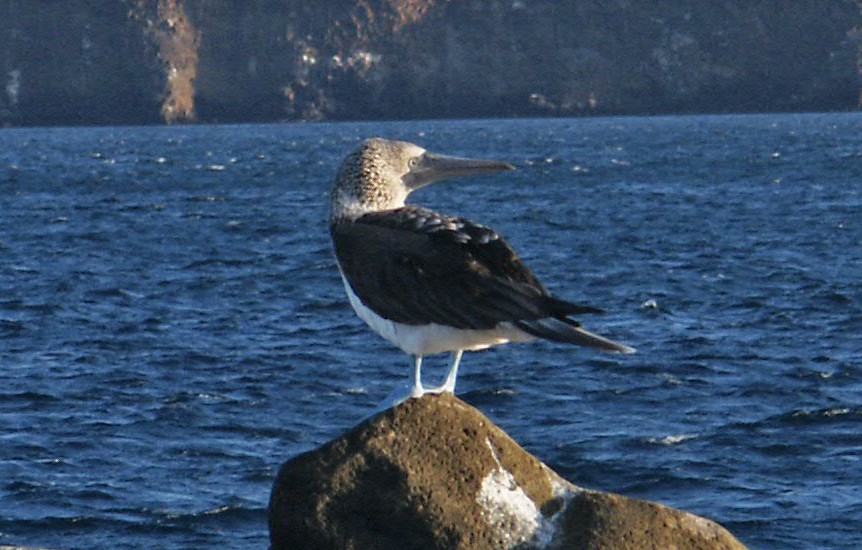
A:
(416, 389)
(449, 385)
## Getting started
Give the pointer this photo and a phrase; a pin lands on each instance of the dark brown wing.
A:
(415, 266)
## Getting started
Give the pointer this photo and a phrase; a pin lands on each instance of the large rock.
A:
(436, 473)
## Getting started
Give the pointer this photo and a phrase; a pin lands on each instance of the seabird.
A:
(431, 283)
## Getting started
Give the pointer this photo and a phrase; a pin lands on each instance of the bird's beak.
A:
(433, 167)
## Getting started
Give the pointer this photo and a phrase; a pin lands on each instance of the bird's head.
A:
(380, 174)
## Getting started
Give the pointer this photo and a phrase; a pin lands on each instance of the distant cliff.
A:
(147, 61)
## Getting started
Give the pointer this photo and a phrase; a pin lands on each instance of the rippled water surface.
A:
(172, 325)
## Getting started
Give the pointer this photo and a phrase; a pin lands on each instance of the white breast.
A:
(433, 338)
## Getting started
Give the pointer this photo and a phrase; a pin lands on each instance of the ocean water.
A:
(172, 325)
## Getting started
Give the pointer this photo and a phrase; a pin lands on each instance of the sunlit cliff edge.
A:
(152, 61)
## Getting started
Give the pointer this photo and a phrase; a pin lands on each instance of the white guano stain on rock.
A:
(13, 87)
(509, 509)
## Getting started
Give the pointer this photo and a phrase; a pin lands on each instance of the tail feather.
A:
(568, 331)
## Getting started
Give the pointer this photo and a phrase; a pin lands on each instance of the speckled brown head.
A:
(381, 173)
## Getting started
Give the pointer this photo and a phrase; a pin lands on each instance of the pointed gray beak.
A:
(433, 167)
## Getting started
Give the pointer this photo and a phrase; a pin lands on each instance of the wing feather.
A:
(415, 266)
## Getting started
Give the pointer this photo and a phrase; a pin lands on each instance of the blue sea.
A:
(173, 326)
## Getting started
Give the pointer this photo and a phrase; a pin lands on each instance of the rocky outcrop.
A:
(436, 473)
(133, 61)
(175, 41)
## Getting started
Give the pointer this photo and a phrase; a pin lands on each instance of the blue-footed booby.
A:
(431, 283)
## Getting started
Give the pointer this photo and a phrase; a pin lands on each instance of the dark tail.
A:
(567, 331)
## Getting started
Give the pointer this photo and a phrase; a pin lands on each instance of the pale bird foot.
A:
(400, 394)
(445, 388)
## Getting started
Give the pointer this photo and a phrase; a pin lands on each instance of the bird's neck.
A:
(349, 203)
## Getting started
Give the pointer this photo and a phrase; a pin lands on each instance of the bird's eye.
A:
(413, 162)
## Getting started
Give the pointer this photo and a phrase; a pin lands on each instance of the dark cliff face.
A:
(139, 61)
(74, 63)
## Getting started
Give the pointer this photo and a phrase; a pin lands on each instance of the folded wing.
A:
(415, 266)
